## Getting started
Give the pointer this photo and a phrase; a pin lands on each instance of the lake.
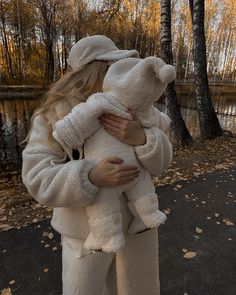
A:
(15, 116)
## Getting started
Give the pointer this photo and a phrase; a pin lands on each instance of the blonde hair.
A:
(77, 85)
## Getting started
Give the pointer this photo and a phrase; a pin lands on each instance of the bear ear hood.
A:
(131, 68)
(138, 83)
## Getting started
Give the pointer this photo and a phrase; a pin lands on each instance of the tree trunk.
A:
(208, 121)
(5, 43)
(180, 131)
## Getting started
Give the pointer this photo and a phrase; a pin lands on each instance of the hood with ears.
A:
(138, 83)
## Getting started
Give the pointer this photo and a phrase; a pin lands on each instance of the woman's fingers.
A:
(112, 117)
(128, 167)
(114, 160)
(126, 181)
(111, 122)
(111, 128)
(131, 173)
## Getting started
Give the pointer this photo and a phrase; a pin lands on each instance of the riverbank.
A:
(24, 91)
(183, 88)
(18, 209)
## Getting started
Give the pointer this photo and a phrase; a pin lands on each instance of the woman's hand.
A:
(110, 172)
(127, 131)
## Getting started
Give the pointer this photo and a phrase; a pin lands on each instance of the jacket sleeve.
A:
(156, 154)
(49, 178)
(81, 122)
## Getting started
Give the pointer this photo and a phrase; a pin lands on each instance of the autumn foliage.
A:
(36, 35)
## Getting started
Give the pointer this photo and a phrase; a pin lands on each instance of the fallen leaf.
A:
(190, 255)
(199, 230)
(12, 282)
(227, 221)
(167, 211)
(3, 225)
(6, 292)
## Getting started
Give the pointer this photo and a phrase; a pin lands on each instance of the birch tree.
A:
(180, 131)
(208, 121)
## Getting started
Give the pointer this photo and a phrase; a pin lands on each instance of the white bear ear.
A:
(167, 74)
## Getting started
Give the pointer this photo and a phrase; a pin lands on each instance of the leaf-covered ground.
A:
(18, 209)
(203, 157)
(196, 244)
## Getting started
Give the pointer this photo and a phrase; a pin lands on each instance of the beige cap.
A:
(97, 47)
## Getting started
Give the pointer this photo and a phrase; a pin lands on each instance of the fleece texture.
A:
(137, 84)
(96, 47)
(64, 185)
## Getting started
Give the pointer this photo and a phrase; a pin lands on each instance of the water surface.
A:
(15, 120)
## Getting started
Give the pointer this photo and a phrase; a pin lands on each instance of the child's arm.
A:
(80, 123)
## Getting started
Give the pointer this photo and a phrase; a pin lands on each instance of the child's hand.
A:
(110, 172)
(127, 131)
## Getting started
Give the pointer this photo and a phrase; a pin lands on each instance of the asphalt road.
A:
(201, 225)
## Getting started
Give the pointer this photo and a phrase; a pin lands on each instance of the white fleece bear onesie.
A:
(137, 84)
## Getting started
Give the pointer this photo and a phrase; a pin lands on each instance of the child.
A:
(129, 83)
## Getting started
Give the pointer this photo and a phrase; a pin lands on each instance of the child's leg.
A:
(105, 222)
(83, 273)
(143, 204)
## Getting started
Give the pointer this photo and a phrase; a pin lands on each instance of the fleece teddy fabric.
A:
(64, 185)
(54, 181)
(96, 47)
(136, 84)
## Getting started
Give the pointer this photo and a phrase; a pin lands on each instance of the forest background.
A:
(36, 35)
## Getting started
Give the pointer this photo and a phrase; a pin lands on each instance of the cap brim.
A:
(117, 55)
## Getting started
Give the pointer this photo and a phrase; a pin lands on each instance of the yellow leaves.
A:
(12, 282)
(167, 211)
(199, 159)
(189, 255)
(227, 221)
(199, 230)
(6, 292)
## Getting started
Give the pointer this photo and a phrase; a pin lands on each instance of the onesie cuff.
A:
(146, 148)
(86, 184)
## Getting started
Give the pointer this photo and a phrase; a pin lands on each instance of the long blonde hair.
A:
(75, 86)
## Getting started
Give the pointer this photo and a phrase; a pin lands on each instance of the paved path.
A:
(207, 202)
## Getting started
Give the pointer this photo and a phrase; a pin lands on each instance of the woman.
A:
(68, 185)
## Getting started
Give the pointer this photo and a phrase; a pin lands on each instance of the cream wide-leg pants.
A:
(133, 270)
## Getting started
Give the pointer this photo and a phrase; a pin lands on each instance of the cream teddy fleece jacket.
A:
(65, 186)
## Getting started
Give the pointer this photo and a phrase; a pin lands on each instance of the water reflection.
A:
(14, 125)
(15, 119)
